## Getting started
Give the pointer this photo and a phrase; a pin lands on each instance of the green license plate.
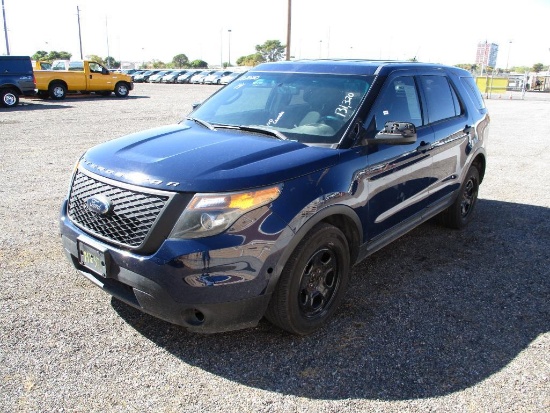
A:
(93, 258)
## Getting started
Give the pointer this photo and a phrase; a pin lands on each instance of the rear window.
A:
(441, 100)
(473, 91)
(15, 65)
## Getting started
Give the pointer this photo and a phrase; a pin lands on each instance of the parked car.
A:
(199, 77)
(172, 76)
(16, 79)
(144, 77)
(224, 80)
(157, 77)
(186, 77)
(261, 201)
(136, 73)
(214, 78)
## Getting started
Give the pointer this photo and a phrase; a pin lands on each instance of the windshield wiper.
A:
(202, 122)
(258, 129)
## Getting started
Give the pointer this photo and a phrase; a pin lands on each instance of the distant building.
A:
(486, 54)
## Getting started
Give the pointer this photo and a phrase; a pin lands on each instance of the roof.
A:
(341, 66)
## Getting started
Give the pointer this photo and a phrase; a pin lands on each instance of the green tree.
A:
(40, 55)
(111, 63)
(198, 64)
(180, 60)
(537, 67)
(250, 60)
(95, 58)
(472, 67)
(157, 64)
(271, 50)
(51, 56)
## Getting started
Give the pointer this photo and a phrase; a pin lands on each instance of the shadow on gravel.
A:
(433, 313)
(25, 106)
(36, 103)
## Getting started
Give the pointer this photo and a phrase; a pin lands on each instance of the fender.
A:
(294, 238)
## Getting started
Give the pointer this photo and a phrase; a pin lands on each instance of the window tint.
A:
(398, 101)
(473, 91)
(441, 99)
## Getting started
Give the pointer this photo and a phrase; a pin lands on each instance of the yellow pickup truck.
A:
(81, 76)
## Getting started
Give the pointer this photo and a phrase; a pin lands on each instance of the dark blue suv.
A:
(260, 202)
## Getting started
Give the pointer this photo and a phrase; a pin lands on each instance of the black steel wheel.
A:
(312, 283)
(459, 214)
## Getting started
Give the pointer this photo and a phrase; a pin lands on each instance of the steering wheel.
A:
(334, 122)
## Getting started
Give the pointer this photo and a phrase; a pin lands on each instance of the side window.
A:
(473, 92)
(95, 68)
(398, 101)
(441, 99)
(76, 66)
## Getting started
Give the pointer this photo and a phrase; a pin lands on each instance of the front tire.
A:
(460, 213)
(313, 282)
(122, 90)
(9, 98)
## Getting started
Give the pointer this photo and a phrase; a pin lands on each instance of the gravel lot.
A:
(439, 321)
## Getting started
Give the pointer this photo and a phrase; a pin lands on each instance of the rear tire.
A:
(313, 282)
(460, 213)
(9, 98)
(57, 91)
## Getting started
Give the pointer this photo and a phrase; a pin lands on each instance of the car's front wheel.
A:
(122, 90)
(313, 281)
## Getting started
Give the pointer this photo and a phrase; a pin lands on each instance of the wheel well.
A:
(57, 81)
(480, 164)
(11, 87)
(350, 230)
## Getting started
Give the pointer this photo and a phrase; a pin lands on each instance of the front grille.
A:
(131, 218)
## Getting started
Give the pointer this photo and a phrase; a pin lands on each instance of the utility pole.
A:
(79, 32)
(5, 29)
(229, 47)
(108, 58)
(288, 25)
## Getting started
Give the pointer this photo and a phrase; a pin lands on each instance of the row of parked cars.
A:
(197, 76)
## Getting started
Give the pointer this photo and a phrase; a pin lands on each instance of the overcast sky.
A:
(433, 31)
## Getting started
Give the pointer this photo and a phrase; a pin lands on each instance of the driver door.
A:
(398, 177)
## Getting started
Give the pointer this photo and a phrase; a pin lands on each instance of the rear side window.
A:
(473, 91)
(441, 100)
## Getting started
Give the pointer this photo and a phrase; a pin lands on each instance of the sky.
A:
(219, 31)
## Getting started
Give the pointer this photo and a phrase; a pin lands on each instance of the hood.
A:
(195, 159)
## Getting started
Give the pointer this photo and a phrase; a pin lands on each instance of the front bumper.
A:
(211, 285)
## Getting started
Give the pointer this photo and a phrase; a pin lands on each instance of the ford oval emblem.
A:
(99, 204)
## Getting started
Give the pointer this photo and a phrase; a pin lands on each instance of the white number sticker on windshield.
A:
(345, 106)
(274, 122)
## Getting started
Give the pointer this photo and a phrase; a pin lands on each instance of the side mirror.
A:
(195, 105)
(395, 133)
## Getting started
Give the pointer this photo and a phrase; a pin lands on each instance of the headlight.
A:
(210, 214)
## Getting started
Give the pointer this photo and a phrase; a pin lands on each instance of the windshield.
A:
(309, 108)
